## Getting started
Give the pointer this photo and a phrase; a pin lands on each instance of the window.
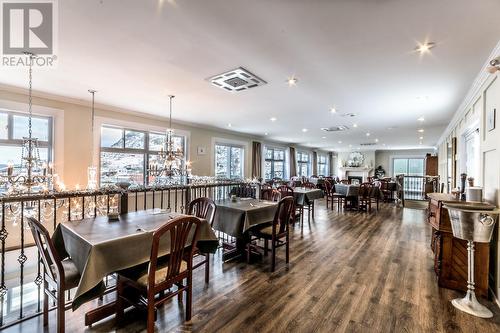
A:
(274, 163)
(303, 164)
(126, 153)
(323, 165)
(13, 128)
(408, 166)
(229, 161)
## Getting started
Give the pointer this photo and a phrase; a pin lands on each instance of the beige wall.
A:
(73, 139)
(483, 97)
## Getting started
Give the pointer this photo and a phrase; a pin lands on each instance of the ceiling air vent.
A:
(338, 128)
(367, 144)
(237, 80)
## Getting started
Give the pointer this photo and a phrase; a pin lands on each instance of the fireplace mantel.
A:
(364, 172)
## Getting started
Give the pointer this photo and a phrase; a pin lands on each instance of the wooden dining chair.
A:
(309, 185)
(278, 232)
(285, 191)
(60, 274)
(153, 281)
(384, 188)
(270, 194)
(203, 208)
(365, 197)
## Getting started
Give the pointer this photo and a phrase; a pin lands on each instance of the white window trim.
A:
(327, 162)
(57, 128)
(222, 141)
(309, 163)
(286, 172)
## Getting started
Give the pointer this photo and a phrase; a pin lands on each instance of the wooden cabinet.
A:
(431, 165)
(450, 253)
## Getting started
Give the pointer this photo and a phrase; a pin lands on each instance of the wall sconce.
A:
(494, 65)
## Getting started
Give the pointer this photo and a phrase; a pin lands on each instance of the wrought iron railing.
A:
(416, 187)
(20, 268)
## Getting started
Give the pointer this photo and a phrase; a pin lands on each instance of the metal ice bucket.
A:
(472, 222)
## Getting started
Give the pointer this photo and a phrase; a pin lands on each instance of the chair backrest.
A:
(365, 190)
(328, 187)
(266, 186)
(384, 184)
(309, 185)
(285, 191)
(50, 258)
(204, 208)
(179, 230)
(284, 215)
(270, 194)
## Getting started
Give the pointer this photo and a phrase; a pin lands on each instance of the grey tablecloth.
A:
(347, 190)
(353, 190)
(306, 196)
(99, 247)
(234, 218)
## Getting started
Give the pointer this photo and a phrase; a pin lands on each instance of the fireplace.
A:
(359, 178)
(360, 172)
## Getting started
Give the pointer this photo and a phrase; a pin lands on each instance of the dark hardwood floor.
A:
(348, 272)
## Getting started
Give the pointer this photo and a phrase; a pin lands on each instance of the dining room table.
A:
(235, 217)
(351, 193)
(306, 197)
(100, 246)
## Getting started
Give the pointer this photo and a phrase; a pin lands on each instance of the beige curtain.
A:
(330, 164)
(256, 159)
(315, 163)
(293, 163)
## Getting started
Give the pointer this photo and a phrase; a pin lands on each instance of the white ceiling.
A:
(355, 55)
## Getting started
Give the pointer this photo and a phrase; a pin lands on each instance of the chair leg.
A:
(179, 295)
(45, 304)
(207, 267)
(273, 259)
(313, 210)
(151, 314)
(189, 296)
(119, 300)
(287, 248)
(266, 247)
(248, 251)
(60, 311)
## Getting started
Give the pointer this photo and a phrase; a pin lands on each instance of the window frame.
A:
(325, 163)
(229, 145)
(300, 162)
(146, 152)
(273, 161)
(11, 142)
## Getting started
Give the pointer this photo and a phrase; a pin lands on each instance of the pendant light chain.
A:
(30, 105)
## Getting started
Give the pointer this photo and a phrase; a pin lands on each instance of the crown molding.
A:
(482, 77)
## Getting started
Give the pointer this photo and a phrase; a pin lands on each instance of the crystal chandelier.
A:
(170, 160)
(34, 176)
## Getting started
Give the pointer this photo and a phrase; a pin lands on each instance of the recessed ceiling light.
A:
(368, 134)
(333, 110)
(292, 81)
(304, 130)
(229, 125)
(420, 143)
(421, 138)
(266, 133)
(359, 148)
(273, 119)
(354, 125)
(425, 47)
(323, 137)
(376, 140)
(421, 118)
(340, 141)
(421, 130)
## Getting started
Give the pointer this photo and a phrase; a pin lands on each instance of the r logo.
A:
(27, 26)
